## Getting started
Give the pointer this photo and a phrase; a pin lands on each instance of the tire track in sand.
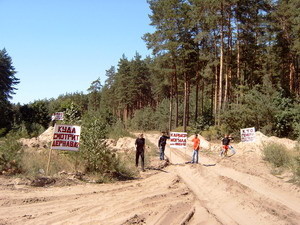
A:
(233, 197)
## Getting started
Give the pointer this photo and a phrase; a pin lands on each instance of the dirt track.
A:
(236, 190)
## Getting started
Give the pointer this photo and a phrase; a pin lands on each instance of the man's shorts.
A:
(225, 147)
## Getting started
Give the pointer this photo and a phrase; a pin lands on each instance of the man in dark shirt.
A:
(140, 150)
(225, 142)
(162, 144)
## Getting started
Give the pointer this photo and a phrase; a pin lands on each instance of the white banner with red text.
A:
(66, 137)
(178, 139)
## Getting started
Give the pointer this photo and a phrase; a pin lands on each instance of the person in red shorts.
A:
(225, 145)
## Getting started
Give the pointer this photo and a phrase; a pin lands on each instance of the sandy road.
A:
(232, 196)
(232, 191)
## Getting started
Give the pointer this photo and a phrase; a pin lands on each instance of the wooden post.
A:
(49, 159)
(50, 153)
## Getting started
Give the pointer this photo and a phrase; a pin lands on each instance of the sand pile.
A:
(124, 144)
(41, 141)
(261, 140)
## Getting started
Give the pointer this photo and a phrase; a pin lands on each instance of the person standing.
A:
(140, 151)
(196, 147)
(225, 144)
(162, 145)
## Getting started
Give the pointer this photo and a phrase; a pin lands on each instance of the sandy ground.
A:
(233, 190)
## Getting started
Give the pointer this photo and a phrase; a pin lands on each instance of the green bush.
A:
(10, 156)
(144, 119)
(93, 149)
(118, 130)
(96, 156)
(212, 133)
(296, 162)
(152, 119)
(277, 155)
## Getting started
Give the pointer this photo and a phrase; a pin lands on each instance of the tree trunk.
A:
(185, 102)
(216, 95)
(297, 80)
(238, 62)
(221, 70)
(188, 103)
(171, 104)
(292, 71)
(176, 96)
(196, 97)
(228, 65)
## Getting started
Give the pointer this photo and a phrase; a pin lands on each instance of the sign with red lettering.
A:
(66, 137)
(59, 116)
(248, 134)
(178, 139)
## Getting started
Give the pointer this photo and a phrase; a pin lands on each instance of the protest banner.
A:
(59, 116)
(178, 139)
(66, 137)
(248, 134)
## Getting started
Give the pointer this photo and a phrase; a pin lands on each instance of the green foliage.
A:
(212, 133)
(296, 166)
(33, 130)
(10, 155)
(269, 112)
(6, 116)
(282, 158)
(7, 76)
(94, 95)
(96, 156)
(72, 114)
(277, 155)
(200, 125)
(117, 130)
(152, 119)
(94, 152)
(41, 113)
(32, 118)
(144, 119)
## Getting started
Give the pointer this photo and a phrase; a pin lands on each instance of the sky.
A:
(62, 46)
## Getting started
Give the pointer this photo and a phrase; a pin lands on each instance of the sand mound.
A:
(41, 141)
(123, 144)
(261, 140)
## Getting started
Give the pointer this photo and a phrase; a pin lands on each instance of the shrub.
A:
(10, 156)
(296, 163)
(118, 130)
(93, 150)
(277, 155)
(212, 133)
(98, 158)
(144, 119)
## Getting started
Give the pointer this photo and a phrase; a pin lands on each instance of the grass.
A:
(283, 159)
(34, 163)
(277, 155)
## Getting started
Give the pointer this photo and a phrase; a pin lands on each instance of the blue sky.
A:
(61, 46)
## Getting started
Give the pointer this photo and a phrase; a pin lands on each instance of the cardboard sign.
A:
(178, 139)
(59, 116)
(66, 137)
(248, 134)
